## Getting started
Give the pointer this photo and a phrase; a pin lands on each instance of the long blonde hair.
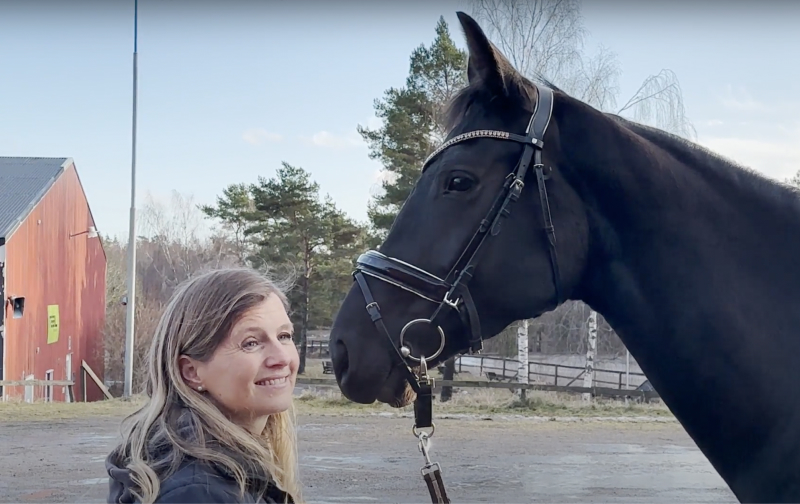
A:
(196, 320)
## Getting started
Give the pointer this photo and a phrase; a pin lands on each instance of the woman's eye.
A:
(285, 336)
(459, 183)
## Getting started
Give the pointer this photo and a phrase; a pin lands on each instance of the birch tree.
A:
(546, 39)
(522, 356)
(591, 351)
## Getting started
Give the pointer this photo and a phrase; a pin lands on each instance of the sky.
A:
(229, 90)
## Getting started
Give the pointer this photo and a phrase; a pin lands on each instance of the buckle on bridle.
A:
(452, 304)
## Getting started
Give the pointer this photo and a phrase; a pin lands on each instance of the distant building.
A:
(52, 279)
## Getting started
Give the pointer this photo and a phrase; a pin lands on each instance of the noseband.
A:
(452, 292)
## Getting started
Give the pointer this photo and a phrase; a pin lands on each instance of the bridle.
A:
(452, 292)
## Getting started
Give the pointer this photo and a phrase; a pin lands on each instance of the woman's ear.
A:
(189, 372)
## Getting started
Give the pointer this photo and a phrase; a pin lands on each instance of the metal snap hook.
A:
(407, 353)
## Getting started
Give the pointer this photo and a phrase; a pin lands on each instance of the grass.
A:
(480, 401)
(487, 402)
(20, 411)
(329, 401)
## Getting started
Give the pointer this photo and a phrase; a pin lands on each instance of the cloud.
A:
(741, 100)
(329, 140)
(778, 158)
(257, 136)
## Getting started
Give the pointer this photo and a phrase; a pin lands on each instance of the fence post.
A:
(588, 377)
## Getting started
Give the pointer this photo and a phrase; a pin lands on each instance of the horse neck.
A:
(694, 266)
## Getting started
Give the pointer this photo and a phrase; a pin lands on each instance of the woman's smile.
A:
(274, 382)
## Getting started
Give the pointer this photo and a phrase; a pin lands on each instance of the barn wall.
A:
(49, 268)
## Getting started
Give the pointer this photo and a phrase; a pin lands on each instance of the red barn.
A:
(52, 279)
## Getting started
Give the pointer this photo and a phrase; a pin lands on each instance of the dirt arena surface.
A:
(375, 459)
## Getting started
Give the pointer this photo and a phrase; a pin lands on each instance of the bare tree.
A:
(546, 38)
(174, 244)
(659, 102)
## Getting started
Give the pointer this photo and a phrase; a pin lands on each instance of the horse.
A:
(536, 198)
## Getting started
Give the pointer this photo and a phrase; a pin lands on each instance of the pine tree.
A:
(413, 122)
(294, 234)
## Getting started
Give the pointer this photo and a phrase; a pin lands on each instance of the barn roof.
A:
(23, 183)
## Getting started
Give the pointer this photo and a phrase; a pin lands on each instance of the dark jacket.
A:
(195, 481)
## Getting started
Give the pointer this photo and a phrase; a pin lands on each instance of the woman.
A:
(218, 425)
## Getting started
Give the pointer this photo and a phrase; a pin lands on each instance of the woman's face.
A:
(252, 373)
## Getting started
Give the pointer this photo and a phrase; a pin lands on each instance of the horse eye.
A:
(459, 183)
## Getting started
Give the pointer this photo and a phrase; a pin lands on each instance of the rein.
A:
(452, 292)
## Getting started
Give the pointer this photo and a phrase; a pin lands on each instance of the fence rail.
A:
(537, 372)
(317, 349)
(45, 387)
(540, 372)
(645, 395)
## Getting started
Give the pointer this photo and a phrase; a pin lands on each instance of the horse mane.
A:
(716, 165)
(692, 154)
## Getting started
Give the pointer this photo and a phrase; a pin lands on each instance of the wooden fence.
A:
(45, 387)
(644, 395)
(506, 369)
(545, 373)
(317, 349)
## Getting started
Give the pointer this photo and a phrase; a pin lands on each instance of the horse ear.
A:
(483, 64)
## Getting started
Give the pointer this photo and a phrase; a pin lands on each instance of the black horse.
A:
(693, 260)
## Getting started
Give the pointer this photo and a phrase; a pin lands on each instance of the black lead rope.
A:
(432, 473)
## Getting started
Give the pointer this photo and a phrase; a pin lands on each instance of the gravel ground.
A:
(375, 459)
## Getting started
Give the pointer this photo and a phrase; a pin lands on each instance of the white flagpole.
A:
(131, 298)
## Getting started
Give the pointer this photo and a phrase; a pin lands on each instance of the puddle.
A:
(327, 427)
(349, 498)
(90, 481)
(352, 459)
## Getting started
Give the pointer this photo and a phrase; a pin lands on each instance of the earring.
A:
(200, 388)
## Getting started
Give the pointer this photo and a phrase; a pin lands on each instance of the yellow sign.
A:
(52, 323)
